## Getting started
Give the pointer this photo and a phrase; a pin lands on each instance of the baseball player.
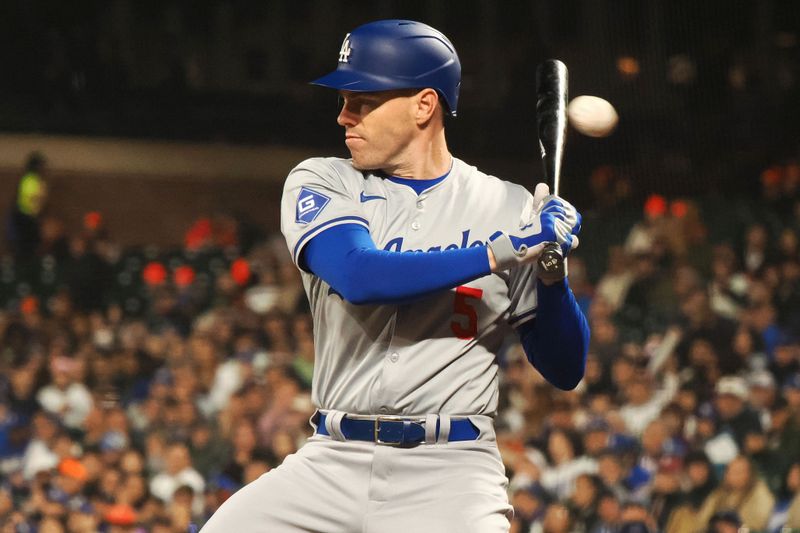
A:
(416, 265)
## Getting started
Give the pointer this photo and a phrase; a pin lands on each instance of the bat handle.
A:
(551, 262)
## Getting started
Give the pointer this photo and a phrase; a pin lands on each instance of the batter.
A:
(416, 266)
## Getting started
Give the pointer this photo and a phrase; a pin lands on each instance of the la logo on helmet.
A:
(344, 52)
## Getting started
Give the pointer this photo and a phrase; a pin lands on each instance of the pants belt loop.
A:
(430, 428)
(314, 420)
(444, 429)
(333, 423)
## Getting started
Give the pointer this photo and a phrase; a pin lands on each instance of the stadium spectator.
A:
(786, 513)
(177, 472)
(665, 492)
(609, 512)
(613, 471)
(725, 522)
(744, 492)
(40, 454)
(208, 449)
(636, 518)
(785, 362)
(643, 402)
(736, 417)
(66, 396)
(244, 450)
(699, 481)
(616, 280)
(565, 464)
(584, 500)
(23, 225)
(728, 288)
(557, 519)
(530, 505)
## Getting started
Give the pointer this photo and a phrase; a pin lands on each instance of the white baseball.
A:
(592, 116)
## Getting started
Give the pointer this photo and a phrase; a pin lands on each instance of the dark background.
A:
(714, 102)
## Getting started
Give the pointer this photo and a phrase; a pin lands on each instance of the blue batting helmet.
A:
(397, 54)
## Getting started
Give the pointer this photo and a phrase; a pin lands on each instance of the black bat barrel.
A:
(551, 117)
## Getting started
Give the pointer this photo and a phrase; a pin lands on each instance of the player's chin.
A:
(362, 163)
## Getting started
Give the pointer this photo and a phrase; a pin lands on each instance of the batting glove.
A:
(510, 251)
(568, 223)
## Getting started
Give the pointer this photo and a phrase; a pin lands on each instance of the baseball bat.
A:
(551, 119)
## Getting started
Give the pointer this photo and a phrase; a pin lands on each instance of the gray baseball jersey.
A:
(432, 355)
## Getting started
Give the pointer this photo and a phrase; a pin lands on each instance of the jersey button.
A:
(415, 225)
(383, 410)
(394, 357)
(419, 204)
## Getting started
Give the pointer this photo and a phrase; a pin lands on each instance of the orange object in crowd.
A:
(120, 514)
(73, 468)
(154, 273)
(771, 176)
(240, 271)
(679, 208)
(92, 220)
(183, 276)
(199, 235)
(29, 305)
(655, 206)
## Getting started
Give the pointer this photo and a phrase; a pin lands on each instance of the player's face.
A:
(379, 127)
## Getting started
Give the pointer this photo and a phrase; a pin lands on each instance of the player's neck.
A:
(427, 158)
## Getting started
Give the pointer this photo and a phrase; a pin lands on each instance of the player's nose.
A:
(346, 117)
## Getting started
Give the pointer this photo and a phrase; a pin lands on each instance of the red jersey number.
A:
(464, 306)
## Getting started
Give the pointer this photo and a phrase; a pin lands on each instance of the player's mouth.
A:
(350, 139)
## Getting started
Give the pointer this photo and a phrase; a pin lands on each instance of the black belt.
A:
(397, 431)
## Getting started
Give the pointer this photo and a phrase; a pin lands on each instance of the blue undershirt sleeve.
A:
(346, 258)
(557, 340)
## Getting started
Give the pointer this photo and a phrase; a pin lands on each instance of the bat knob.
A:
(551, 263)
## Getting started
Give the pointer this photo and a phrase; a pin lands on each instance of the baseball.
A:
(592, 116)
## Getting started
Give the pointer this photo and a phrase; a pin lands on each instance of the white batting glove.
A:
(555, 220)
(568, 220)
(510, 251)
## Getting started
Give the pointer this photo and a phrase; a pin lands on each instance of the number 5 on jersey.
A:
(464, 306)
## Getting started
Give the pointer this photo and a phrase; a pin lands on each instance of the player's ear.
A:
(427, 103)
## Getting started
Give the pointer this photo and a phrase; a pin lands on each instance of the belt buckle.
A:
(392, 418)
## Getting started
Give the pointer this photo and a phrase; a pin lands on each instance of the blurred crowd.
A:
(139, 388)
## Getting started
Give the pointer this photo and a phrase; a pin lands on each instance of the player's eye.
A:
(365, 104)
(351, 103)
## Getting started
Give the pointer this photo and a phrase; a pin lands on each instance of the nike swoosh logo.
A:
(365, 198)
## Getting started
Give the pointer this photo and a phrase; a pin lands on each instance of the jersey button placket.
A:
(415, 225)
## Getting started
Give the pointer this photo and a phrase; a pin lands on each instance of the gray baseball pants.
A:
(336, 486)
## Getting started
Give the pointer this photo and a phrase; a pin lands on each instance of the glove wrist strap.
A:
(505, 255)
